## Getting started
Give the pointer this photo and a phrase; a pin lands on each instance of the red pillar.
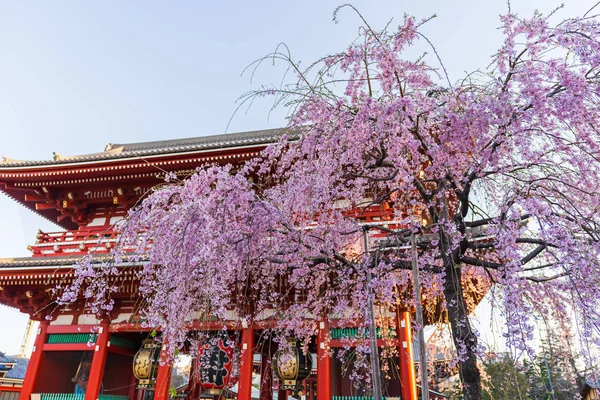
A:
(266, 377)
(163, 378)
(247, 358)
(282, 394)
(133, 382)
(193, 386)
(35, 361)
(92, 392)
(408, 381)
(323, 363)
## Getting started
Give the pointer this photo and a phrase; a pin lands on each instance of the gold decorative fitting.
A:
(115, 200)
(65, 204)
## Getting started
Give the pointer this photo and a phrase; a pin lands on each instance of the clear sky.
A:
(76, 75)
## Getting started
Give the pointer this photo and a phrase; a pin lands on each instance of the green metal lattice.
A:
(73, 396)
(61, 396)
(358, 333)
(70, 338)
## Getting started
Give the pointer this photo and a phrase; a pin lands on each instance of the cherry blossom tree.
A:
(496, 175)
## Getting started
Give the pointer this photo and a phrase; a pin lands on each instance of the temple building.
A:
(12, 372)
(77, 357)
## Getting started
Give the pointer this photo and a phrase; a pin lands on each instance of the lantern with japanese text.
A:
(214, 364)
(292, 365)
(145, 364)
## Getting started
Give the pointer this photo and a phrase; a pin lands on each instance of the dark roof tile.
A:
(37, 261)
(127, 150)
(6, 359)
(18, 371)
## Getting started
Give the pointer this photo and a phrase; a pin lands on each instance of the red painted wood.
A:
(323, 363)
(9, 389)
(216, 325)
(282, 394)
(193, 386)
(247, 348)
(163, 378)
(34, 362)
(334, 343)
(196, 325)
(266, 378)
(408, 381)
(71, 329)
(131, 391)
(68, 347)
(98, 362)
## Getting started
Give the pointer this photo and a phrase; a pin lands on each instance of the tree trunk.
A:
(465, 340)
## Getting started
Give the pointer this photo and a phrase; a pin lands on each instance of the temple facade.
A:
(76, 356)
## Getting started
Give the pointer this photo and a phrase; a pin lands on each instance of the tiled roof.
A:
(118, 151)
(18, 371)
(203, 142)
(4, 359)
(37, 261)
(68, 261)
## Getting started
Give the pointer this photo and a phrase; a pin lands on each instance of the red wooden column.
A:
(247, 358)
(266, 377)
(35, 361)
(282, 394)
(408, 381)
(92, 392)
(163, 377)
(193, 386)
(323, 363)
(133, 382)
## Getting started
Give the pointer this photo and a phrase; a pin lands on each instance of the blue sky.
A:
(76, 75)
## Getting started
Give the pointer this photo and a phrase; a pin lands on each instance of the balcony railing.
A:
(362, 398)
(74, 396)
(11, 382)
(73, 242)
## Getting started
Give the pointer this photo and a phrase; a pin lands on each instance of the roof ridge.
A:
(115, 151)
(127, 146)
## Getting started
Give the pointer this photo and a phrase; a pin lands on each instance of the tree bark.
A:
(464, 339)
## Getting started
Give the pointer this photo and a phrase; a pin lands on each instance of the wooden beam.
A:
(70, 328)
(68, 347)
(45, 206)
(34, 197)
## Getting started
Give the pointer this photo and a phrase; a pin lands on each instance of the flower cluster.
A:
(496, 175)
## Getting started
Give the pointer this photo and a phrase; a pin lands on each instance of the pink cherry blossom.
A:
(497, 174)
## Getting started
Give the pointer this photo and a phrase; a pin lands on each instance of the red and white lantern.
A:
(214, 365)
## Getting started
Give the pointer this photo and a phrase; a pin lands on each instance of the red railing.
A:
(73, 242)
(100, 240)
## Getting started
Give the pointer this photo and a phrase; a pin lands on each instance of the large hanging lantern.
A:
(214, 364)
(145, 364)
(292, 366)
